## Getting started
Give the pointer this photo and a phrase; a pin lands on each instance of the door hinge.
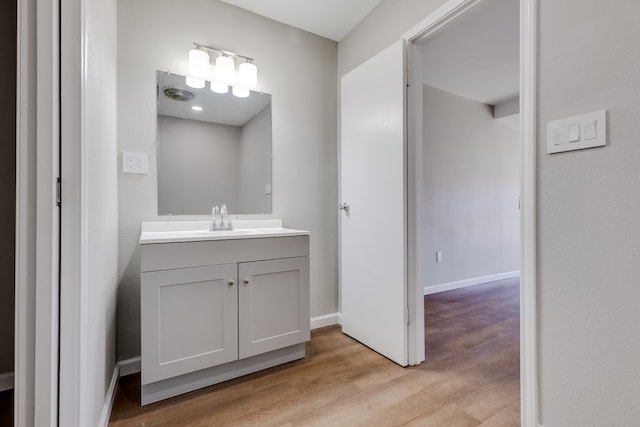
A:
(58, 192)
(409, 314)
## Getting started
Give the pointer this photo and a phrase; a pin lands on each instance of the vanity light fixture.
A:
(219, 87)
(194, 82)
(224, 74)
(240, 92)
(198, 68)
(225, 69)
(215, 85)
(248, 75)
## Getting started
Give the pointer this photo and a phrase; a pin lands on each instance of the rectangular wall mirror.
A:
(212, 149)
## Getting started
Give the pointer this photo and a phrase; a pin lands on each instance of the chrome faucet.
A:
(216, 222)
(227, 225)
(220, 219)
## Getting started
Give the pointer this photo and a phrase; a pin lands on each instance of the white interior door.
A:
(373, 185)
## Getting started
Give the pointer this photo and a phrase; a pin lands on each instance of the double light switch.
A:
(577, 133)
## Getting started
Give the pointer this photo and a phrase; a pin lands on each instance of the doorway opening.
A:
(471, 131)
(471, 170)
(470, 222)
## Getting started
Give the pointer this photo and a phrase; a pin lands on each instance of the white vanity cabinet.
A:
(213, 310)
(189, 320)
(272, 305)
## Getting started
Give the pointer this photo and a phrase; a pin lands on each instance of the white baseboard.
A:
(6, 381)
(111, 397)
(428, 290)
(129, 366)
(326, 320)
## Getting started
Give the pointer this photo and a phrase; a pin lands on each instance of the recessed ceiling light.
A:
(196, 108)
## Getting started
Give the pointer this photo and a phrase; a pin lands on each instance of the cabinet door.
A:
(189, 320)
(273, 305)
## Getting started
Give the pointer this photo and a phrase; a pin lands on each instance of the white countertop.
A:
(196, 231)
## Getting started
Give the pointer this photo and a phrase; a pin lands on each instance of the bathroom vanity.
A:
(216, 305)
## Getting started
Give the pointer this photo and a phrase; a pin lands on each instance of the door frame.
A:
(37, 214)
(428, 27)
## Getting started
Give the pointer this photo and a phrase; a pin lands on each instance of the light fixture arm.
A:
(222, 52)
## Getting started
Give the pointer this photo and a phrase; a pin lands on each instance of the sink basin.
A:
(225, 233)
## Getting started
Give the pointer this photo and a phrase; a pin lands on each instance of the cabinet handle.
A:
(231, 283)
(246, 281)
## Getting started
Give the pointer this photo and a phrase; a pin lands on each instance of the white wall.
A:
(99, 122)
(296, 67)
(589, 210)
(254, 170)
(196, 158)
(470, 193)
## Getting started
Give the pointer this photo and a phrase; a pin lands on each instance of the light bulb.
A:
(196, 108)
(240, 92)
(194, 82)
(225, 70)
(199, 64)
(219, 87)
(248, 75)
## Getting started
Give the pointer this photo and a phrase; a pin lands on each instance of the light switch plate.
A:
(137, 163)
(574, 132)
(577, 133)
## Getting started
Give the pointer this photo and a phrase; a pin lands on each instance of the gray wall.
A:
(296, 67)
(254, 170)
(7, 184)
(99, 120)
(470, 193)
(589, 203)
(589, 217)
(196, 158)
(383, 26)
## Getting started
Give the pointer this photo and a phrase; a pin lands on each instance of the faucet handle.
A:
(215, 212)
(223, 211)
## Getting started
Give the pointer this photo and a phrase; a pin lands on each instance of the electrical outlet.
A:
(135, 162)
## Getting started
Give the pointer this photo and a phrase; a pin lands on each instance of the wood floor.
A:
(470, 378)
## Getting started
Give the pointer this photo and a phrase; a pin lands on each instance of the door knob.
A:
(246, 281)
(344, 207)
(231, 283)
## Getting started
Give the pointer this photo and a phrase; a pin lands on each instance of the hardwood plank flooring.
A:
(470, 378)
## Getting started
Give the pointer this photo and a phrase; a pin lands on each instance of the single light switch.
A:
(574, 132)
(558, 136)
(439, 256)
(591, 130)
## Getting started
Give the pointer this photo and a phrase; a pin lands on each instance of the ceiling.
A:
(224, 109)
(477, 57)
(332, 19)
